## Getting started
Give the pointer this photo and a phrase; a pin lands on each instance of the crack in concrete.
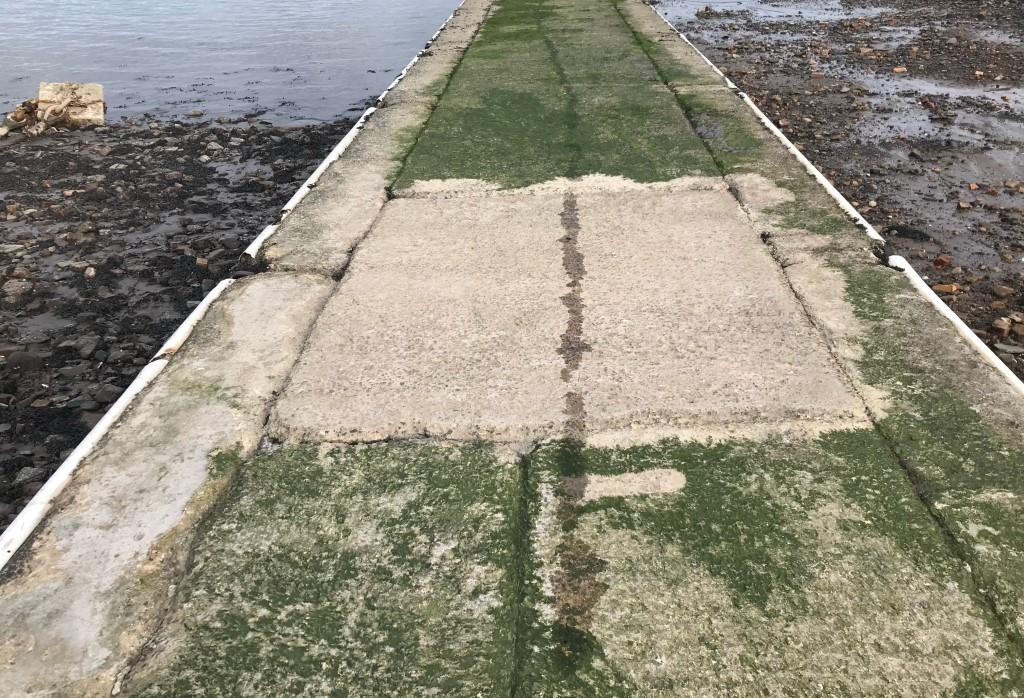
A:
(573, 344)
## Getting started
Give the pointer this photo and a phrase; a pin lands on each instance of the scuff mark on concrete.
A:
(656, 481)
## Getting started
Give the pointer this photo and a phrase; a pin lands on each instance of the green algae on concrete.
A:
(777, 569)
(965, 460)
(556, 89)
(376, 570)
(947, 420)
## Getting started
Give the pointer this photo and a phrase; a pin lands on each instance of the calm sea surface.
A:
(291, 61)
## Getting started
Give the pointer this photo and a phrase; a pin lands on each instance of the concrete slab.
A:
(446, 324)
(380, 571)
(90, 589)
(778, 568)
(804, 550)
(693, 329)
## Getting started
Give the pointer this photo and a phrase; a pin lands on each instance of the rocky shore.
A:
(111, 236)
(915, 109)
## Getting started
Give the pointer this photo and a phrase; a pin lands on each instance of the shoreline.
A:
(116, 233)
(887, 101)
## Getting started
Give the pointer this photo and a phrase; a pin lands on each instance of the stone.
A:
(1010, 348)
(943, 260)
(1001, 326)
(29, 474)
(1003, 291)
(16, 291)
(87, 345)
(87, 107)
(945, 288)
(107, 394)
(30, 488)
(26, 360)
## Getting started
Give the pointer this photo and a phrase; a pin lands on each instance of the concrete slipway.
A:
(565, 380)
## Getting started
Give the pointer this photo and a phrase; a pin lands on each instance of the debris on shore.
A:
(71, 104)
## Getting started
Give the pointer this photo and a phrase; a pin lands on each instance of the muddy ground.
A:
(110, 237)
(915, 109)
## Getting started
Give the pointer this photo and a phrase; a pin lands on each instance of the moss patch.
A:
(533, 100)
(727, 585)
(379, 571)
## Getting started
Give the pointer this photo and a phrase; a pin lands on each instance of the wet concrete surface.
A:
(111, 237)
(915, 109)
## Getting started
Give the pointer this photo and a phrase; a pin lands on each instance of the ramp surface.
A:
(592, 391)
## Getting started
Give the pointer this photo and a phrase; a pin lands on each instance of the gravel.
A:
(111, 236)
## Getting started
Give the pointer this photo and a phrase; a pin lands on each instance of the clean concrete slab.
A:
(693, 329)
(446, 324)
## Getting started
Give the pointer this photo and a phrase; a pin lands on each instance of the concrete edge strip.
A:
(894, 261)
(35, 511)
(251, 252)
(15, 535)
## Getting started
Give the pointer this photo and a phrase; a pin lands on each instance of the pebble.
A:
(16, 291)
(29, 474)
(107, 394)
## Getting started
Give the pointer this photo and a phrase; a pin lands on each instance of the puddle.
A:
(824, 11)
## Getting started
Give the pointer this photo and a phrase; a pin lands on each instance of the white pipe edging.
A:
(184, 331)
(254, 247)
(23, 525)
(895, 261)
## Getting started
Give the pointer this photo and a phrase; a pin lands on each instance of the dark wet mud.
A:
(110, 237)
(915, 109)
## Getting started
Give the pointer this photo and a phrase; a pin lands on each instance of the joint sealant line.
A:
(15, 535)
(894, 261)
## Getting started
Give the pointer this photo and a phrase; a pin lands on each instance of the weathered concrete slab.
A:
(692, 328)
(772, 568)
(446, 324)
(376, 571)
(90, 589)
(556, 90)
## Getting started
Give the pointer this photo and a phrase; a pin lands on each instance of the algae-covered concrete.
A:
(610, 399)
